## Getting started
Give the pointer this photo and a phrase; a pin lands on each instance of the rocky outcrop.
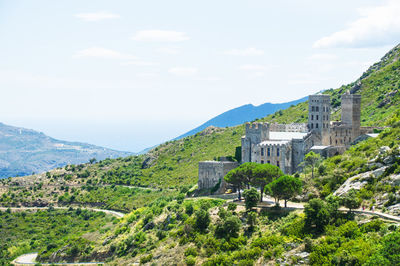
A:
(358, 181)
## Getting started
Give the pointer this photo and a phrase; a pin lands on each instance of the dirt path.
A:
(30, 259)
(115, 213)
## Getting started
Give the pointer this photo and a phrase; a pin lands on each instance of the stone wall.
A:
(278, 153)
(212, 172)
(293, 127)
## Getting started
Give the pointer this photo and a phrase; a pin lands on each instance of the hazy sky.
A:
(131, 74)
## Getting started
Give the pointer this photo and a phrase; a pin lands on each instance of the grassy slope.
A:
(45, 231)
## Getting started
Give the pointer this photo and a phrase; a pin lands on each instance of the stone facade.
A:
(285, 145)
(212, 172)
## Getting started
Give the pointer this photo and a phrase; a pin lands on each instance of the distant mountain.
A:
(25, 151)
(242, 114)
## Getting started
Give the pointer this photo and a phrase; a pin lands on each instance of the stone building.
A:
(212, 173)
(285, 145)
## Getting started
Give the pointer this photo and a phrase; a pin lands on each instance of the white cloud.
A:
(322, 57)
(96, 16)
(183, 71)
(251, 51)
(254, 67)
(146, 75)
(100, 52)
(168, 50)
(160, 36)
(255, 71)
(377, 26)
(140, 63)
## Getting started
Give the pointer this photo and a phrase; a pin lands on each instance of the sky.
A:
(131, 74)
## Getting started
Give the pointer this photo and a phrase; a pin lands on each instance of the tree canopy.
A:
(285, 187)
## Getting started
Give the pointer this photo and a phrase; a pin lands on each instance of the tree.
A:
(92, 161)
(202, 219)
(251, 197)
(235, 177)
(265, 174)
(285, 187)
(351, 201)
(251, 220)
(249, 169)
(228, 227)
(319, 213)
(311, 160)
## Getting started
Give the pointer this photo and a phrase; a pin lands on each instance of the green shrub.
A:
(191, 251)
(146, 258)
(202, 219)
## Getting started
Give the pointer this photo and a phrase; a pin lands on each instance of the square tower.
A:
(351, 112)
(319, 116)
(255, 133)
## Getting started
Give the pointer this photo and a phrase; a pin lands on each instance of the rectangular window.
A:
(262, 151)
(316, 118)
(269, 152)
(277, 152)
(316, 125)
(262, 161)
(312, 117)
(317, 108)
(312, 109)
(277, 163)
(268, 161)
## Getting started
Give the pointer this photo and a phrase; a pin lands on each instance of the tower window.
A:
(262, 151)
(277, 152)
(269, 152)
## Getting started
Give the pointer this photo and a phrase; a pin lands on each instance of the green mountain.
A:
(25, 151)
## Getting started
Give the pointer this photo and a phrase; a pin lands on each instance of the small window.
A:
(262, 151)
(277, 152)
(269, 152)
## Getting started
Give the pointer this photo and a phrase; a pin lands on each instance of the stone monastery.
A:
(285, 145)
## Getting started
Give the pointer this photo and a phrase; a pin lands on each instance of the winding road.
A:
(115, 213)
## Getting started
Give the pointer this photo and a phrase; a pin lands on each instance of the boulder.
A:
(358, 181)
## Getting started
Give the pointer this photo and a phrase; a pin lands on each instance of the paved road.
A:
(115, 213)
(268, 202)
